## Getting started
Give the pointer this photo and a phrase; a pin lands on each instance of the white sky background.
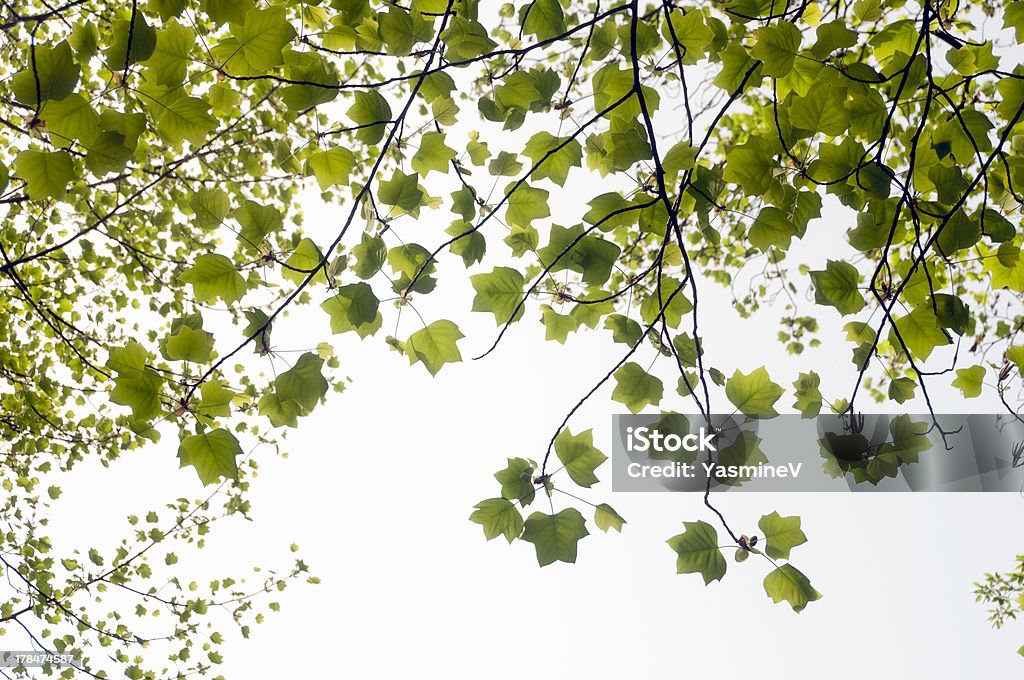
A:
(382, 478)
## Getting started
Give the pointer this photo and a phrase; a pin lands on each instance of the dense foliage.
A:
(153, 238)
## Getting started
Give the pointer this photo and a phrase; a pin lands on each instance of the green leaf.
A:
(591, 256)
(808, 396)
(134, 42)
(698, 552)
(517, 481)
(57, 75)
(544, 19)
(407, 260)
(499, 292)
(505, 164)
(969, 381)
(466, 39)
(401, 190)
(498, 517)
(433, 155)
(777, 46)
(255, 45)
(558, 326)
(107, 153)
(139, 389)
(557, 165)
(280, 412)
(170, 60)
(213, 455)
(675, 309)
(46, 173)
(370, 254)
(1015, 355)
(304, 260)
(303, 383)
(216, 400)
(606, 518)
(789, 583)
(185, 118)
(257, 222)
(692, 34)
(371, 111)
(636, 388)
(959, 233)
(354, 307)
(214, 276)
(211, 206)
(750, 165)
(189, 344)
(833, 36)
(470, 248)
(435, 345)
(332, 166)
(579, 456)
(823, 110)
(1013, 17)
(772, 227)
(736, 62)
(837, 286)
(397, 31)
(836, 161)
(952, 313)
(781, 534)
(902, 389)
(69, 119)
(555, 537)
(624, 330)
(131, 357)
(525, 205)
(754, 394)
(921, 331)
(680, 157)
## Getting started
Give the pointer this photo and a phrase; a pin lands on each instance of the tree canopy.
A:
(158, 155)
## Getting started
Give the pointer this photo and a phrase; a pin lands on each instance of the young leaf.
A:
(698, 552)
(836, 286)
(214, 276)
(606, 518)
(213, 455)
(636, 388)
(435, 345)
(499, 292)
(754, 394)
(969, 381)
(56, 71)
(433, 155)
(789, 583)
(517, 481)
(303, 383)
(781, 534)
(555, 537)
(354, 307)
(46, 173)
(777, 46)
(189, 344)
(498, 516)
(579, 456)
(808, 396)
